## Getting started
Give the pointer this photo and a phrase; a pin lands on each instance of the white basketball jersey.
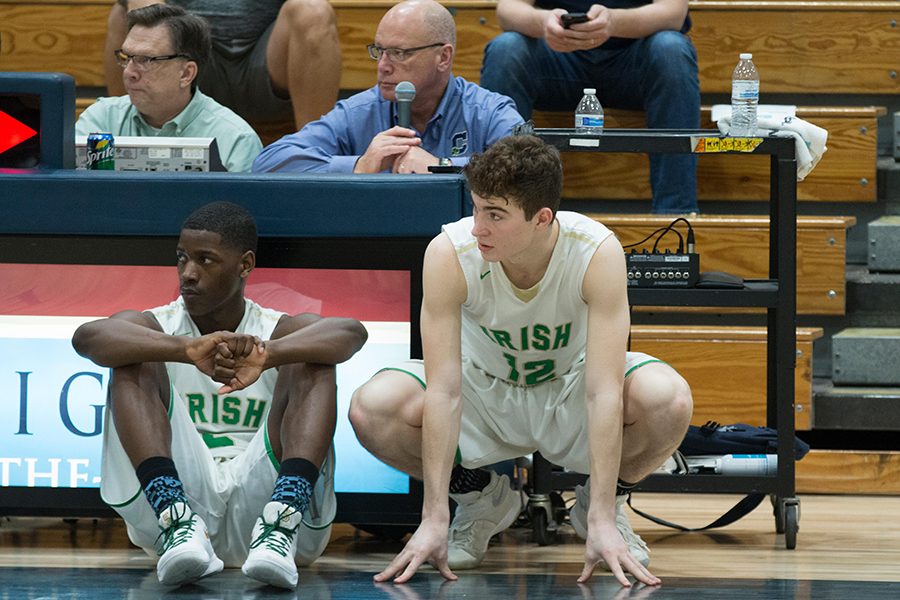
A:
(527, 342)
(227, 422)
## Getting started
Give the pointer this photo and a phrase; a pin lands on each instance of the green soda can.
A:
(101, 152)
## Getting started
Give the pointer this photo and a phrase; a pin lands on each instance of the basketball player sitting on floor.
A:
(213, 402)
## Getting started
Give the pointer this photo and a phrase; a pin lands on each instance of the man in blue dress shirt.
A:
(451, 118)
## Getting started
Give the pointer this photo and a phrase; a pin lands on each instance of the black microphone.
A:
(405, 92)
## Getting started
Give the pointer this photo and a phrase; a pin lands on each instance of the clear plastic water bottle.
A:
(744, 97)
(759, 465)
(589, 114)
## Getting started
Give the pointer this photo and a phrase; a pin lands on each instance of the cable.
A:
(645, 239)
(676, 232)
(662, 231)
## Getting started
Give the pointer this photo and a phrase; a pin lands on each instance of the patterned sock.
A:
(464, 480)
(161, 484)
(623, 488)
(295, 483)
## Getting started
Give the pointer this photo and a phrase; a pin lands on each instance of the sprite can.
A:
(101, 152)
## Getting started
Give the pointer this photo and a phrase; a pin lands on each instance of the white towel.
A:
(780, 121)
(772, 111)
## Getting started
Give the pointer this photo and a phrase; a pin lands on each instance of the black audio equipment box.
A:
(658, 269)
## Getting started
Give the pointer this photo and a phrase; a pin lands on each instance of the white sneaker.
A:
(480, 516)
(185, 553)
(271, 557)
(578, 518)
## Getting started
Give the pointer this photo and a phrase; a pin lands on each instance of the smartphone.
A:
(570, 19)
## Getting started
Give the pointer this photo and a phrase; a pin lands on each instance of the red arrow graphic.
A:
(13, 132)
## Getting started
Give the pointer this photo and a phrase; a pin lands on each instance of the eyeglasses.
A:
(143, 63)
(396, 54)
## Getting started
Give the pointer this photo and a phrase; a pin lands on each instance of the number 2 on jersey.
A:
(537, 371)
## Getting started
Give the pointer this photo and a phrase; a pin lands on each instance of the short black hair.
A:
(232, 222)
(190, 33)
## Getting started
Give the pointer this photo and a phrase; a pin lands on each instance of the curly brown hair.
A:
(522, 170)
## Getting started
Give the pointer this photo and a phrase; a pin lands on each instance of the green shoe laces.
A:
(270, 534)
(178, 532)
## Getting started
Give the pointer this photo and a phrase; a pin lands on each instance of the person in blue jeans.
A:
(634, 52)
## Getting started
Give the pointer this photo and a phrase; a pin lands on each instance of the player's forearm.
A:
(117, 343)
(440, 436)
(605, 422)
(328, 341)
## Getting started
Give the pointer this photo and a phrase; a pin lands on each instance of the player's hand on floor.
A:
(427, 544)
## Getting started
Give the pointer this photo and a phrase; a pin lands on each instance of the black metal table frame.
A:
(777, 295)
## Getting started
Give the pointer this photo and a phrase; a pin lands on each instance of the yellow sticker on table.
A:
(708, 145)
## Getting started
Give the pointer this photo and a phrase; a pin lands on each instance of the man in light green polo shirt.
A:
(161, 56)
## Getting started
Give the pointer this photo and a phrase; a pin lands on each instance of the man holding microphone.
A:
(449, 117)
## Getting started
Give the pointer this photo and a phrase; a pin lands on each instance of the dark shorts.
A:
(239, 79)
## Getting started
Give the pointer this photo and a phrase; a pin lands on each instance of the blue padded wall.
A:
(124, 203)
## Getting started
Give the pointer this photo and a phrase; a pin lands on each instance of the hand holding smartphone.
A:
(570, 19)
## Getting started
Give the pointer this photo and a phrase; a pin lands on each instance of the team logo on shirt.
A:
(460, 143)
(533, 337)
(226, 410)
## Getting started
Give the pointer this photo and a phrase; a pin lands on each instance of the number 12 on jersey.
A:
(537, 371)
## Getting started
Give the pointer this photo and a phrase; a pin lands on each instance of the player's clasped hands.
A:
(235, 360)
(240, 360)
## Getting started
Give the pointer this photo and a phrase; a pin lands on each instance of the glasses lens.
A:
(374, 51)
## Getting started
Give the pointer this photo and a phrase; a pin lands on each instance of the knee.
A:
(505, 52)
(116, 18)
(659, 395)
(507, 43)
(128, 374)
(370, 403)
(671, 55)
(307, 377)
(309, 16)
(360, 409)
(668, 43)
(125, 380)
(681, 402)
(381, 403)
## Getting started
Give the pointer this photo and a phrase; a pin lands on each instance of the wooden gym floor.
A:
(847, 547)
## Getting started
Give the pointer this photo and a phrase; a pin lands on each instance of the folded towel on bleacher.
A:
(782, 121)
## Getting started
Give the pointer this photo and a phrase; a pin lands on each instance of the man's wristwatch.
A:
(445, 162)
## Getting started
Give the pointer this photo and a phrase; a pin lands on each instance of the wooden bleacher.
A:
(799, 47)
(838, 46)
(846, 172)
(739, 244)
(704, 354)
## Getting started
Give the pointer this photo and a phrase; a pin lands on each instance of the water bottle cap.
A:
(590, 90)
(746, 56)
